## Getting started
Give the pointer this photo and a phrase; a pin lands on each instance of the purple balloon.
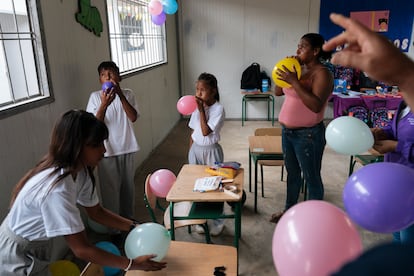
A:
(159, 19)
(380, 197)
(107, 85)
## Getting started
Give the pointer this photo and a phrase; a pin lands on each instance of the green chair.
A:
(270, 131)
(181, 209)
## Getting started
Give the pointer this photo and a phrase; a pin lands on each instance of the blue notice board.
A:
(394, 19)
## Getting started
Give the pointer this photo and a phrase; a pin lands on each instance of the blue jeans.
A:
(302, 151)
(405, 235)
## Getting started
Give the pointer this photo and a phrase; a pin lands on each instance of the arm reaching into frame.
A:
(372, 53)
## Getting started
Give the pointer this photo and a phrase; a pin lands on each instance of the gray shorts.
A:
(205, 155)
(19, 256)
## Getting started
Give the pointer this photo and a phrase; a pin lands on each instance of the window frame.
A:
(45, 95)
(116, 42)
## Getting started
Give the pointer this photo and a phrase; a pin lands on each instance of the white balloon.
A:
(148, 238)
(349, 135)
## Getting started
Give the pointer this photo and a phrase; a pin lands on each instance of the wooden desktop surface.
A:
(182, 189)
(265, 144)
(188, 258)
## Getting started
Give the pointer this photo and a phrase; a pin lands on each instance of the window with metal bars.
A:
(23, 75)
(136, 43)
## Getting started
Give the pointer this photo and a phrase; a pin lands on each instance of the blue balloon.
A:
(148, 238)
(380, 197)
(111, 248)
(170, 6)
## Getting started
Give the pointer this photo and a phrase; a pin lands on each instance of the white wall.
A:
(223, 37)
(73, 54)
(218, 36)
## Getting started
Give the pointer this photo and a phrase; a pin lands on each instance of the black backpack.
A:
(251, 78)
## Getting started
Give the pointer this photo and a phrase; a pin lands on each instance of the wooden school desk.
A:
(182, 190)
(262, 148)
(189, 258)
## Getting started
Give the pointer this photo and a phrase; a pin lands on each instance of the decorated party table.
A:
(342, 102)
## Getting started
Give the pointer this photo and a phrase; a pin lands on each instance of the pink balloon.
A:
(161, 182)
(186, 105)
(314, 238)
(155, 7)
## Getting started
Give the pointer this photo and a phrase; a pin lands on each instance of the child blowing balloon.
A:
(45, 203)
(118, 108)
(206, 122)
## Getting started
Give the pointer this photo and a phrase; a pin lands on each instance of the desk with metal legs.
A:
(262, 148)
(259, 96)
(182, 190)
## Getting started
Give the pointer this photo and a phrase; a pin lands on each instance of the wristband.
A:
(129, 265)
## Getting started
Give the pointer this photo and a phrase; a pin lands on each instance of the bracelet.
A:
(129, 265)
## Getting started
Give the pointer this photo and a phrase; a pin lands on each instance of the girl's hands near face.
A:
(200, 103)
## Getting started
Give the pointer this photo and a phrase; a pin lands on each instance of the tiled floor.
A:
(255, 251)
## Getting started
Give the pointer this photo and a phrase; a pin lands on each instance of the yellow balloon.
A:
(291, 64)
(64, 268)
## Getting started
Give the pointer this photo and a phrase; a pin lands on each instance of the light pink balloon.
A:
(186, 105)
(161, 182)
(314, 238)
(155, 7)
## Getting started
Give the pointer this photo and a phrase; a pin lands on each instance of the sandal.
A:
(276, 217)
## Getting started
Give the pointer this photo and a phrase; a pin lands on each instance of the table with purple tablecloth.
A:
(342, 103)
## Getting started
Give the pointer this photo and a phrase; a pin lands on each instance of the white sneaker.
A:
(217, 228)
(199, 229)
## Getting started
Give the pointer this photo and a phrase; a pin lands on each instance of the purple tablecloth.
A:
(342, 103)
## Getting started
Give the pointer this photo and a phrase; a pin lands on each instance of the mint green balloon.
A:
(349, 135)
(148, 238)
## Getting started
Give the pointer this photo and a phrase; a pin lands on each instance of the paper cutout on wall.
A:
(89, 17)
(377, 21)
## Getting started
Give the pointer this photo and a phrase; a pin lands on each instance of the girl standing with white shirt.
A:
(206, 123)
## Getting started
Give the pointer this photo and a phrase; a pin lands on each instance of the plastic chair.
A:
(271, 131)
(180, 209)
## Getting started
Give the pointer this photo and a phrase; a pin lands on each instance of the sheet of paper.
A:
(206, 184)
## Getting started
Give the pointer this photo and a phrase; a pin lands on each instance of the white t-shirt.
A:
(215, 120)
(121, 138)
(41, 212)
